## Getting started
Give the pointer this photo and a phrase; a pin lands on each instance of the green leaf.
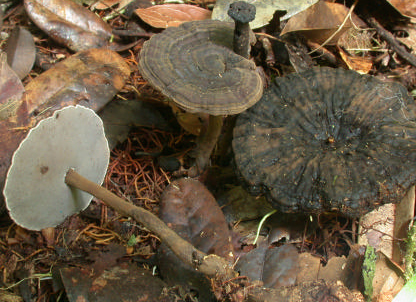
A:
(368, 271)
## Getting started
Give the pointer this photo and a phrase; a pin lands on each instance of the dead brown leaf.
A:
(69, 24)
(90, 78)
(320, 21)
(189, 208)
(167, 15)
(192, 211)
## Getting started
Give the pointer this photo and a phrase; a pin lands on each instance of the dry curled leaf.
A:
(69, 24)
(167, 15)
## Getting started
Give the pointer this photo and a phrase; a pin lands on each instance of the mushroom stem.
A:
(242, 13)
(210, 265)
(206, 144)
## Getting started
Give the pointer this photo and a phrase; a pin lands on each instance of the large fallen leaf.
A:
(69, 24)
(21, 51)
(191, 210)
(319, 22)
(265, 10)
(90, 78)
(168, 15)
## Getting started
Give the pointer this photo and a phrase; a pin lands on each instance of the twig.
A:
(397, 47)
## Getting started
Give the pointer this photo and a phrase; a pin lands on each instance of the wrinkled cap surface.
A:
(242, 11)
(329, 139)
(193, 64)
(35, 190)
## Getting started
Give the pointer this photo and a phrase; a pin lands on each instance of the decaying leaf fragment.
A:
(90, 78)
(69, 24)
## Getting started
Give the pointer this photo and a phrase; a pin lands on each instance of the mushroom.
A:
(242, 13)
(72, 138)
(44, 184)
(195, 67)
(329, 140)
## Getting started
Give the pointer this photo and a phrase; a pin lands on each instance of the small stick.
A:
(397, 47)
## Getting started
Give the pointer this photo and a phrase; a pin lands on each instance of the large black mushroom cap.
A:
(329, 140)
(194, 65)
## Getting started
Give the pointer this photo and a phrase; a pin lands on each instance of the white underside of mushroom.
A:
(35, 190)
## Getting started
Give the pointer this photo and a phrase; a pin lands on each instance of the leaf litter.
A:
(99, 235)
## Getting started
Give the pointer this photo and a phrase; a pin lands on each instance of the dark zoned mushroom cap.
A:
(329, 139)
(194, 65)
